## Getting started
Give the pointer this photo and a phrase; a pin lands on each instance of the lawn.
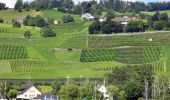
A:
(58, 15)
(10, 14)
(152, 13)
(45, 89)
(92, 56)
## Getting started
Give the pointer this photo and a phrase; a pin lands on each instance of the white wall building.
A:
(28, 92)
(87, 16)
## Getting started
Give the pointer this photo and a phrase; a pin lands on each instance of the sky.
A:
(10, 3)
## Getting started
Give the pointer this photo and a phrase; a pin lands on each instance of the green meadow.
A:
(73, 52)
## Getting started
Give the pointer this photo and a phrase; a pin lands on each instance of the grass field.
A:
(10, 14)
(92, 56)
(58, 15)
(152, 13)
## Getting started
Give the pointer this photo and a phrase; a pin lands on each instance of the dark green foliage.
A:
(56, 87)
(108, 27)
(159, 25)
(132, 90)
(27, 34)
(50, 21)
(1, 20)
(2, 6)
(12, 93)
(95, 27)
(132, 79)
(67, 19)
(18, 6)
(16, 24)
(135, 26)
(69, 91)
(34, 21)
(163, 17)
(110, 15)
(47, 32)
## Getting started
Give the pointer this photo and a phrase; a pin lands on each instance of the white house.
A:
(28, 92)
(87, 16)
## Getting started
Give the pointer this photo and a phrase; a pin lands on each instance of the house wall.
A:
(31, 93)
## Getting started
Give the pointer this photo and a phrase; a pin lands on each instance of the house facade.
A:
(122, 20)
(28, 92)
(87, 16)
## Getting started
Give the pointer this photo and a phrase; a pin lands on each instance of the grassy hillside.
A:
(58, 15)
(152, 13)
(92, 56)
(10, 14)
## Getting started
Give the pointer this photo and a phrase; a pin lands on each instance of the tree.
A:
(135, 26)
(108, 27)
(159, 25)
(56, 87)
(67, 19)
(1, 20)
(110, 15)
(16, 24)
(132, 90)
(47, 32)
(95, 27)
(163, 17)
(18, 5)
(87, 90)
(34, 21)
(12, 94)
(114, 91)
(2, 6)
(27, 34)
(125, 76)
(155, 17)
(69, 91)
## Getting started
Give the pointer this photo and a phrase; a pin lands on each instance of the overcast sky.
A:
(10, 3)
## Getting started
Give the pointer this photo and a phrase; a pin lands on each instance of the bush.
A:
(16, 24)
(47, 32)
(158, 25)
(95, 27)
(67, 19)
(27, 34)
(1, 20)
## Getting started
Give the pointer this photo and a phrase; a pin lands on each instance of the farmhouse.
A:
(125, 19)
(87, 16)
(28, 92)
(100, 18)
(122, 20)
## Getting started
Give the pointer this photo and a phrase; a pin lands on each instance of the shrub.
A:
(27, 34)
(16, 24)
(67, 19)
(47, 32)
(1, 20)
(95, 27)
(158, 25)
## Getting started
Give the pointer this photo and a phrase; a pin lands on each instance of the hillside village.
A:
(107, 50)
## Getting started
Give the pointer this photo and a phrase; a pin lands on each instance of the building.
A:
(100, 18)
(87, 16)
(47, 96)
(122, 20)
(28, 92)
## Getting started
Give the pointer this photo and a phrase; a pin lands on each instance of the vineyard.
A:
(127, 55)
(74, 52)
(145, 39)
(12, 52)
